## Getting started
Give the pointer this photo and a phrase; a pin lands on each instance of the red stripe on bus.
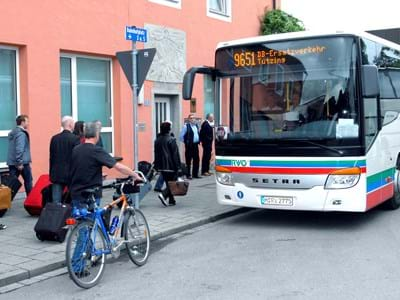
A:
(380, 195)
(308, 171)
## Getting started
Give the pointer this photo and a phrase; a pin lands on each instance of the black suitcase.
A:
(51, 223)
(13, 183)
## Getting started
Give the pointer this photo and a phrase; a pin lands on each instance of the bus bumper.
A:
(313, 199)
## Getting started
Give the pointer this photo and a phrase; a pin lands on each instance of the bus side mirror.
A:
(187, 87)
(370, 81)
(188, 79)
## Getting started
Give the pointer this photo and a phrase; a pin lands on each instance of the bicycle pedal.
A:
(115, 253)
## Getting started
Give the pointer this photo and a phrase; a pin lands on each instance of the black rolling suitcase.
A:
(51, 222)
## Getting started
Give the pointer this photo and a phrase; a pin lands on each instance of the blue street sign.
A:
(135, 34)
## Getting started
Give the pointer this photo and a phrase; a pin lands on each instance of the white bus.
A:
(306, 121)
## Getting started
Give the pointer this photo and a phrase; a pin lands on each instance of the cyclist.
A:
(86, 165)
(86, 173)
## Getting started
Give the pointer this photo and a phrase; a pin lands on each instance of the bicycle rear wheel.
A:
(137, 235)
(84, 268)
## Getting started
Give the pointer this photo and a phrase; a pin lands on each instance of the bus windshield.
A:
(289, 91)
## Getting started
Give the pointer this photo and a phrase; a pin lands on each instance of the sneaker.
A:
(2, 226)
(162, 199)
(171, 203)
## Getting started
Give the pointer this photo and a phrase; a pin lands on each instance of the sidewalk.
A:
(23, 256)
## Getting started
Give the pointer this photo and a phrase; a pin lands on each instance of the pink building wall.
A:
(43, 29)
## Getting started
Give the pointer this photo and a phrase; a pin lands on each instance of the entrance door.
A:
(162, 112)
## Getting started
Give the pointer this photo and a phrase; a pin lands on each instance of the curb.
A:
(28, 274)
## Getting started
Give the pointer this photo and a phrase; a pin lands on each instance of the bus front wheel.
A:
(394, 202)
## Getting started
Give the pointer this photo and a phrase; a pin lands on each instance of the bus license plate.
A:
(283, 201)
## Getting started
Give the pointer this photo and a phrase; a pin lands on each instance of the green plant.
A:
(277, 21)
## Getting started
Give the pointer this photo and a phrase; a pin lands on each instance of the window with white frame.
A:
(170, 3)
(220, 9)
(86, 92)
(9, 97)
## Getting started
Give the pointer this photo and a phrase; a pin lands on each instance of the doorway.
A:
(162, 112)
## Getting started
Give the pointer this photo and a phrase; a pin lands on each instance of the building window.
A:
(170, 3)
(86, 92)
(219, 9)
(9, 97)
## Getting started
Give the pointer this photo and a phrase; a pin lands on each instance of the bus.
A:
(306, 121)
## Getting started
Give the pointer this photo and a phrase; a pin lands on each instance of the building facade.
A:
(59, 58)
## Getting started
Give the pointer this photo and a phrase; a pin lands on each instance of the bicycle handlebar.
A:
(119, 182)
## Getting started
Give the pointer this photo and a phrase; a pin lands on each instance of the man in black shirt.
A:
(87, 162)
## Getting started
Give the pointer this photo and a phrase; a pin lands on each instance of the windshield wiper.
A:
(337, 151)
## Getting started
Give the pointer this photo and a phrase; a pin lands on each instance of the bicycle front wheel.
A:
(137, 236)
(84, 267)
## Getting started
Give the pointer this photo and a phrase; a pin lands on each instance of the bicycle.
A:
(90, 239)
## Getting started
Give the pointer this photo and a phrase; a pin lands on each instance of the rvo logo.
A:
(239, 162)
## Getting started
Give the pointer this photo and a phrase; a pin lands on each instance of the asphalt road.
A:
(257, 255)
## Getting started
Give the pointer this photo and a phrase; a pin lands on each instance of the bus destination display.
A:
(251, 58)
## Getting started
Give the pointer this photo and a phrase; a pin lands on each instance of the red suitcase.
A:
(33, 203)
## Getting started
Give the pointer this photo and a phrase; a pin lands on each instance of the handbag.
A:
(179, 187)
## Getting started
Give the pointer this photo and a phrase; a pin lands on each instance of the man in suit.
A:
(206, 139)
(190, 137)
(61, 146)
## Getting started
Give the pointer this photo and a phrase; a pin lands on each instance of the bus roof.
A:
(304, 34)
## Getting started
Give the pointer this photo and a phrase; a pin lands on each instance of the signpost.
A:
(129, 63)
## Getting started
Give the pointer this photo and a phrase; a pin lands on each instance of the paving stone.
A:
(12, 259)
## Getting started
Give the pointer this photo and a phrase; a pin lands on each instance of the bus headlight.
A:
(223, 175)
(343, 178)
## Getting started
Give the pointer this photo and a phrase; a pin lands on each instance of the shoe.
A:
(171, 203)
(162, 199)
(158, 190)
(190, 177)
(197, 177)
(205, 174)
(2, 226)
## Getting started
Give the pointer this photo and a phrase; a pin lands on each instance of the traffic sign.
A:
(133, 33)
(144, 60)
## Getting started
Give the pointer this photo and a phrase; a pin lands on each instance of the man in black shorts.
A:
(86, 165)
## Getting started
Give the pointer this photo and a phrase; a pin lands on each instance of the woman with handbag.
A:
(167, 161)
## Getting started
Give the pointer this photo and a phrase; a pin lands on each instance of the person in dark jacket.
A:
(206, 139)
(61, 146)
(78, 131)
(160, 180)
(19, 152)
(190, 137)
(167, 161)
